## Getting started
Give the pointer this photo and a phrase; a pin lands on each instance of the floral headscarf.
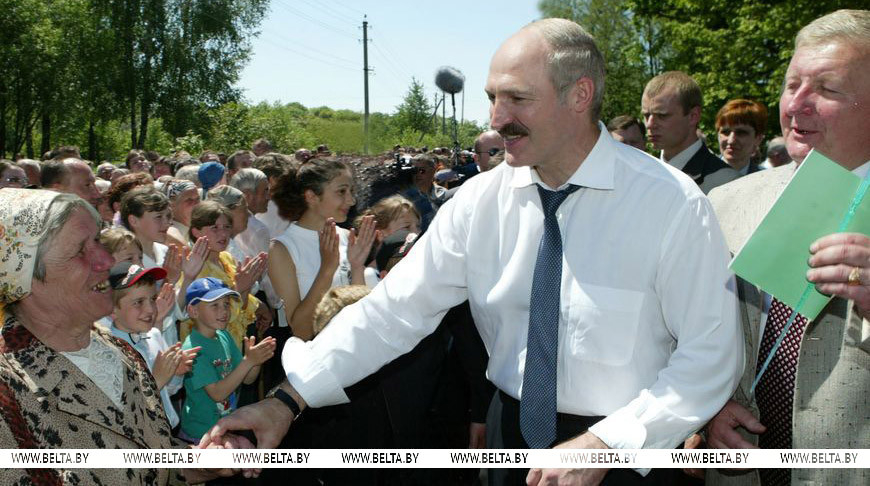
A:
(22, 224)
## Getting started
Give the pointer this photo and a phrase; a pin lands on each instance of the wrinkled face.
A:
(336, 200)
(151, 226)
(105, 172)
(259, 200)
(214, 316)
(128, 253)
(137, 309)
(161, 170)
(183, 205)
(424, 176)
(825, 103)
(737, 143)
(81, 182)
(630, 136)
(76, 288)
(15, 177)
(218, 234)
(407, 221)
(524, 105)
(668, 127)
(139, 164)
(240, 218)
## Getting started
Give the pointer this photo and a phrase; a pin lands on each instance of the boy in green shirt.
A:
(220, 367)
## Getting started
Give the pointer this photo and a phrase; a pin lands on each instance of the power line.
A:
(308, 47)
(305, 16)
(359, 12)
(395, 69)
(336, 14)
(324, 61)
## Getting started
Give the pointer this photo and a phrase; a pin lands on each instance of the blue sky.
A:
(310, 51)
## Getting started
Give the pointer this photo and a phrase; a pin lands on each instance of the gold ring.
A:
(855, 276)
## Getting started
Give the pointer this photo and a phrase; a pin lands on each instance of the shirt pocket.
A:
(603, 323)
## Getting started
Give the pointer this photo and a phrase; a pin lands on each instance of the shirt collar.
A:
(596, 170)
(862, 170)
(681, 159)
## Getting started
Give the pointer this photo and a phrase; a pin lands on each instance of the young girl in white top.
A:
(313, 255)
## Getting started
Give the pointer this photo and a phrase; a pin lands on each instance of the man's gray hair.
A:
(227, 196)
(189, 173)
(573, 55)
(848, 26)
(58, 214)
(247, 179)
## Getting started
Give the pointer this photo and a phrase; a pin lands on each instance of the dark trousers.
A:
(503, 432)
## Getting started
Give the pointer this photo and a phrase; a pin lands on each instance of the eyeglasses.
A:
(491, 151)
(17, 180)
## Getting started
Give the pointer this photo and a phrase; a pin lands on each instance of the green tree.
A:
(620, 40)
(414, 111)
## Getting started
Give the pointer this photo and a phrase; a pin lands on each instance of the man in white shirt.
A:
(648, 339)
(671, 106)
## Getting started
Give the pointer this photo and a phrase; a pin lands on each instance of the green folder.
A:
(814, 204)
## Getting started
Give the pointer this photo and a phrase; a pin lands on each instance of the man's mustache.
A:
(513, 129)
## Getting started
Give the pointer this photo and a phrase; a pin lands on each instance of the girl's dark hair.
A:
(125, 184)
(289, 194)
(207, 213)
(140, 201)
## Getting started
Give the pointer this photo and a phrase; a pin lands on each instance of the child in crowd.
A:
(145, 211)
(394, 213)
(312, 254)
(137, 308)
(123, 245)
(213, 222)
(220, 367)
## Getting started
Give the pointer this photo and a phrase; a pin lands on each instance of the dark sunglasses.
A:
(491, 151)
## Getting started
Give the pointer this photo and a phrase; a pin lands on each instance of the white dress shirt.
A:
(648, 332)
(681, 159)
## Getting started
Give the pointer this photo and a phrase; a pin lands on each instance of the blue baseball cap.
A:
(207, 289)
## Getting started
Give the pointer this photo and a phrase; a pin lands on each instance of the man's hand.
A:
(834, 259)
(720, 430)
(574, 477)
(695, 441)
(477, 436)
(228, 441)
(269, 419)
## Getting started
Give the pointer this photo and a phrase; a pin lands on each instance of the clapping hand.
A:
(186, 362)
(165, 300)
(194, 259)
(165, 364)
(259, 353)
(251, 271)
(329, 257)
(360, 242)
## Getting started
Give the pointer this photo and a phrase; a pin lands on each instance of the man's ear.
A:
(582, 95)
(695, 116)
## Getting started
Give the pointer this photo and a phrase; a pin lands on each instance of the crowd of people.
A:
(552, 286)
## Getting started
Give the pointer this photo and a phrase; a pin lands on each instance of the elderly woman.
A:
(65, 383)
(12, 175)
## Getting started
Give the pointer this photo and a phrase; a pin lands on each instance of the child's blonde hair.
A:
(335, 300)
(116, 239)
(388, 209)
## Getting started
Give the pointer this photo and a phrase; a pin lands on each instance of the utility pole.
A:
(366, 82)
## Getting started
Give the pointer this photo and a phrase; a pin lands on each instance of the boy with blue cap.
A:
(220, 367)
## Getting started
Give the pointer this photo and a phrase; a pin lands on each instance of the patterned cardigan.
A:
(47, 402)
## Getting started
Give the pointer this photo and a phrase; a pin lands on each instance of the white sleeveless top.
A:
(303, 245)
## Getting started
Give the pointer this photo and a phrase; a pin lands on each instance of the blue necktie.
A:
(538, 403)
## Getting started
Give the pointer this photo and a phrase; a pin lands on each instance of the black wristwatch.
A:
(286, 399)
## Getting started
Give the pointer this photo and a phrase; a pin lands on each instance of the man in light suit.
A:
(824, 105)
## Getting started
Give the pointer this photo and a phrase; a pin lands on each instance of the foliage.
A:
(733, 48)
(414, 111)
